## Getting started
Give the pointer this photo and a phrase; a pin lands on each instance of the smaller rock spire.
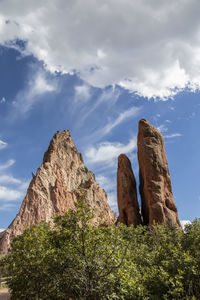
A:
(127, 193)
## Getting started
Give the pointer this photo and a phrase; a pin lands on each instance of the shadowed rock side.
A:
(56, 187)
(127, 193)
(155, 184)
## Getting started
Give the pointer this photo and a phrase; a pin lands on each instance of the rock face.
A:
(56, 187)
(127, 193)
(155, 184)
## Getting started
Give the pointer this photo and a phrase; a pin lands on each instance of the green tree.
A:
(80, 259)
(27, 264)
(73, 259)
(88, 253)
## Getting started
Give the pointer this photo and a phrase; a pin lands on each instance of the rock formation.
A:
(55, 189)
(155, 184)
(127, 193)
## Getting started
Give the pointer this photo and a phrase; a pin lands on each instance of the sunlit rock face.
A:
(158, 204)
(127, 193)
(55, 188)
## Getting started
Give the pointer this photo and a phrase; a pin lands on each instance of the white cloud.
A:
(7, 179)
(24, 186)
(11, 189)
(132, 112)
(7, 165)
(184, 222)
(105, 182)
(172, 136)
(7, 194)
(2, 229)
(162, 128)
(40, 85)
(109, 95)
(7, 207)
(109, 185)
(107, 152)
(36, 87)
(3, 100)
(2, 145)
(82, 93)
(149, 47)
(112, 200)
(122, 117)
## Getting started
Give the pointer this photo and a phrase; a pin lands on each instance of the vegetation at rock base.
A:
(75, 260)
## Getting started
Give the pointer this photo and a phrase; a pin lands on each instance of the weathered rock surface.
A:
(155, 184)
(129, 212)
(55, 189)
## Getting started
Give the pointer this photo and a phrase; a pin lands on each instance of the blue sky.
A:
(96, 69)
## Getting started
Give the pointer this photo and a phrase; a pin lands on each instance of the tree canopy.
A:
(76, 260)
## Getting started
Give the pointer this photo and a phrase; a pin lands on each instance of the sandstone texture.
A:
(128, 206)
(155, 184)
(55, 188)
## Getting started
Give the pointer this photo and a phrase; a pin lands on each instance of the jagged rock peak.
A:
(61, 140)
(158, 204)
(56, 187)
(127, 193)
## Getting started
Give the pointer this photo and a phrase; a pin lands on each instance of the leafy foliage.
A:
(77, 260)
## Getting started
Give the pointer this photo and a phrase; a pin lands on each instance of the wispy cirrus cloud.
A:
(114, 122)
(3, 144)
(108, 96)
(7, 207)
(172, 136)
(7, 165)
(123, 116)
(82, 93)
(37, 86)
(8, 179)
(162, 128)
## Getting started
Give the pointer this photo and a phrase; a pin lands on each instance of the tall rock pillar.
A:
(126, 193)
(158, 204)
